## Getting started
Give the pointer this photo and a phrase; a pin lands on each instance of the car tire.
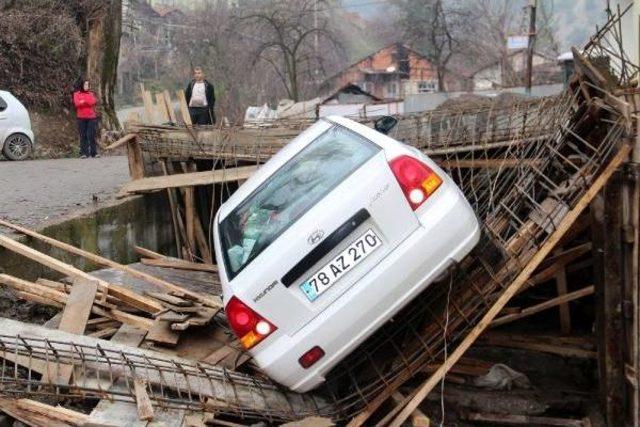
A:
(17, 147)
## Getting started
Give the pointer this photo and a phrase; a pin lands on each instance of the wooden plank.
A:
(554, 302)
(180, 264)
(53, 297)
(189, 179)
(38, 299)
(143, 252)
(149, 116)
(145, 408)
(127, 296)
(175, 217)
(78, 308)
(180, 302)
(129, 335)
(203, 242)
(184, 108)
(189, 214)
(135, 300)
(103, 333)
(167, 101)
(512, 289)
(161, 332)
(122, 141)
(418, 418)
(161, 108)
(34, 413)
(136, 163)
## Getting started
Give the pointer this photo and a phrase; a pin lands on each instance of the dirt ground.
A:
(38, 191)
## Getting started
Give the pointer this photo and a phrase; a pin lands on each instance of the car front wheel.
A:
(17, 147)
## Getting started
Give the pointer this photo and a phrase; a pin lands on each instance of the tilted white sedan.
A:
(328, 240)
(16, 136)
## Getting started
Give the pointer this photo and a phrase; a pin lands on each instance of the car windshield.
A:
(290, 192)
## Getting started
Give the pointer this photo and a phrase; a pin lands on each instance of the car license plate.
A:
(346, 260)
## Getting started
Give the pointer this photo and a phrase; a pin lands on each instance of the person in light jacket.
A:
(201, 99)
(85, 102)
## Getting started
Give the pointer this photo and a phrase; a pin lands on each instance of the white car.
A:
(16, 136)
(328, 240)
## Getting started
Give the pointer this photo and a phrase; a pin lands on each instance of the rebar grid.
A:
(522, 167)
(170, 382)
(519, 208)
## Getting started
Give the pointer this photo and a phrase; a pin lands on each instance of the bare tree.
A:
(433, 30)
(493, 21)
(288, 34)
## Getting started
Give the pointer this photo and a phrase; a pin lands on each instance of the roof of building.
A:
(352, 89)
(398, 44)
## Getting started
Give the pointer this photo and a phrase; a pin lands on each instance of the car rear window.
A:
(3, 104)
(290, 192)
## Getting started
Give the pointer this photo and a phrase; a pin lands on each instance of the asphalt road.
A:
(34, 192)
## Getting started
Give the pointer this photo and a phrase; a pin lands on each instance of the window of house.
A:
(392, 90)
(426, 86)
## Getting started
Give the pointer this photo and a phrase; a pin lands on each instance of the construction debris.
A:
(530, 169)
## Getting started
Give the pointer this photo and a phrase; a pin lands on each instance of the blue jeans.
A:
(87, 129)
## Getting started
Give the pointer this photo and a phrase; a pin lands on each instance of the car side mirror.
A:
(385, 124)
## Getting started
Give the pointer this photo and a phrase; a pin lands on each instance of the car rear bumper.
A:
(448, 231)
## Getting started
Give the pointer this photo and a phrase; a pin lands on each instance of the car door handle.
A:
(325, 247)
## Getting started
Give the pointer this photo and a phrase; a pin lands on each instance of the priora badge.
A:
(315, 237)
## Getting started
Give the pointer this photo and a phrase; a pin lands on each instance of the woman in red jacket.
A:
(85, 102)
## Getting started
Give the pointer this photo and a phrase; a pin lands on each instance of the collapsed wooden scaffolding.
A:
(529, 169)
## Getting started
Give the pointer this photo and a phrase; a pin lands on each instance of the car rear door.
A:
(355, 209)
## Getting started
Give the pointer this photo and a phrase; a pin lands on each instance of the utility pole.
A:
(531, 41)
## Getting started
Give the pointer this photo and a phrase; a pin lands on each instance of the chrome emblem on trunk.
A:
(315, 237)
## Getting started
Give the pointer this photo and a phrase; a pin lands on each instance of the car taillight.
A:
(249, 326)
(416, 179)
(311, 357)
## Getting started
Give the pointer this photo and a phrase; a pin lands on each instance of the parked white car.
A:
(16, 136)
(328, 240)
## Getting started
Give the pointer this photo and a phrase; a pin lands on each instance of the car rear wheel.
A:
(17, 147)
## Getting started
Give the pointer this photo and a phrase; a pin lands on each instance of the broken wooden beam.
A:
(48, 296)
(117, 291)
(148, 253)
(125, 295)
(188, 179)
(553, 302)
(179, 264)
(34, 413)
(122, 141)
